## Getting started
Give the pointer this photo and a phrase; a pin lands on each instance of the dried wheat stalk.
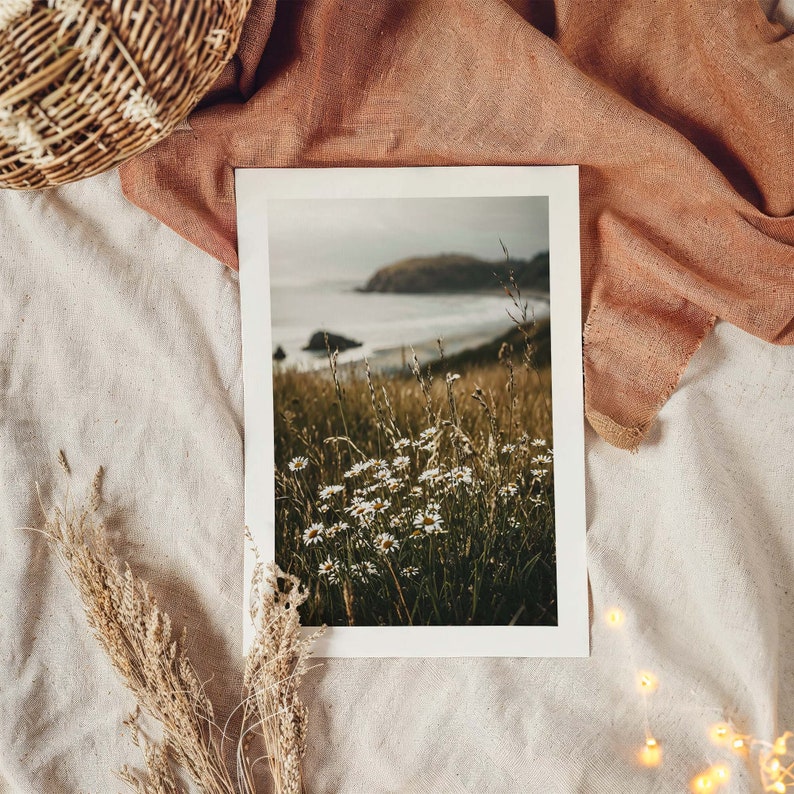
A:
(137, 637)
(274, 668)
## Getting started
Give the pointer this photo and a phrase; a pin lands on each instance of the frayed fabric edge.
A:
(630, 438)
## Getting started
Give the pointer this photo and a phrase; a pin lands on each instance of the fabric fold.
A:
(679, 116)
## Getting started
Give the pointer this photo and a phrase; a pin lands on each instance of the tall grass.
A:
(403, 499)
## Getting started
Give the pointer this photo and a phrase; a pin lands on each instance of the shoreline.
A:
(398, 358)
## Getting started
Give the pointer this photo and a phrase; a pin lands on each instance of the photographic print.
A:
(402, 437)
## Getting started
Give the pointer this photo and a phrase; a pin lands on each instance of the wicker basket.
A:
(86, 84)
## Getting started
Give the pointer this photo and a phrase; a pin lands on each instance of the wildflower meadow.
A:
(422, 496)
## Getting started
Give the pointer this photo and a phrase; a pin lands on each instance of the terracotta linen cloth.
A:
(679, 113)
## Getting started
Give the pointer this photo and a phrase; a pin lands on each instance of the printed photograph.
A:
(411, 366)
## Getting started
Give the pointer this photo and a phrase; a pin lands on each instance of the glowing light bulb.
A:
(702, 783)
(719, 733)
(615, 618)
(774, 767)
(779, 747)
(647, 682)
(720, 773)
(738, 743)
(780, 787)
(651, 754)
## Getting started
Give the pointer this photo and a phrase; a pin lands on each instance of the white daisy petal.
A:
(386, 543)
(313, 534)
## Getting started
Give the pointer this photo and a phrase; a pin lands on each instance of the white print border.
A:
(254, 188)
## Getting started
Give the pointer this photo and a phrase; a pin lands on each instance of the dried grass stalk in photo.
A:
(137, 636)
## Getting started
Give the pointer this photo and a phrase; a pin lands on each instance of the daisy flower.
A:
(426, 435)
(359, 508)
(379, 505)
(401, 462)
(511, 489)
(430, 475)
(356, 469)
(428, 520)
(329, 490)
(335, 529)
(313, 534)
(393, 485)
(329, 567)
(355, 572)
(541, 460)
(364, 571)
(377, 463)
(298, 464)
(538, 472)
(386, 543)
(382, 474)
(538, 442)
(410, 571)
(507, 449)
(402, 443)
(460, 475)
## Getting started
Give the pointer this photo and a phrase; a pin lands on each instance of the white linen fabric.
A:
(120, 344)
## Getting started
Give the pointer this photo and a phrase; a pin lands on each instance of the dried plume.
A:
(274, 669)
(136, 635)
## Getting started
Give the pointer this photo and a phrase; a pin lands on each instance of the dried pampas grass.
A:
(136, 635)
(274, 669)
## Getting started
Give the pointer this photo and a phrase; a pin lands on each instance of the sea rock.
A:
(459, 273)
(279, 355)
(335, 342)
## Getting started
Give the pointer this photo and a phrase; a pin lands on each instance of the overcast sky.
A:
(358, 236)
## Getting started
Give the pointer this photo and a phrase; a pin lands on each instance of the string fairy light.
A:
(721, 773)
(710, 780)
(647, 682)
(779, 747)
(775, 762)
(650, 753)
(777, 776)
(777, 768)
(702, 783)
(720, 733)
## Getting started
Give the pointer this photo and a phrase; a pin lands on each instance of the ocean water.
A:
(386, 324)
(321, 250)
